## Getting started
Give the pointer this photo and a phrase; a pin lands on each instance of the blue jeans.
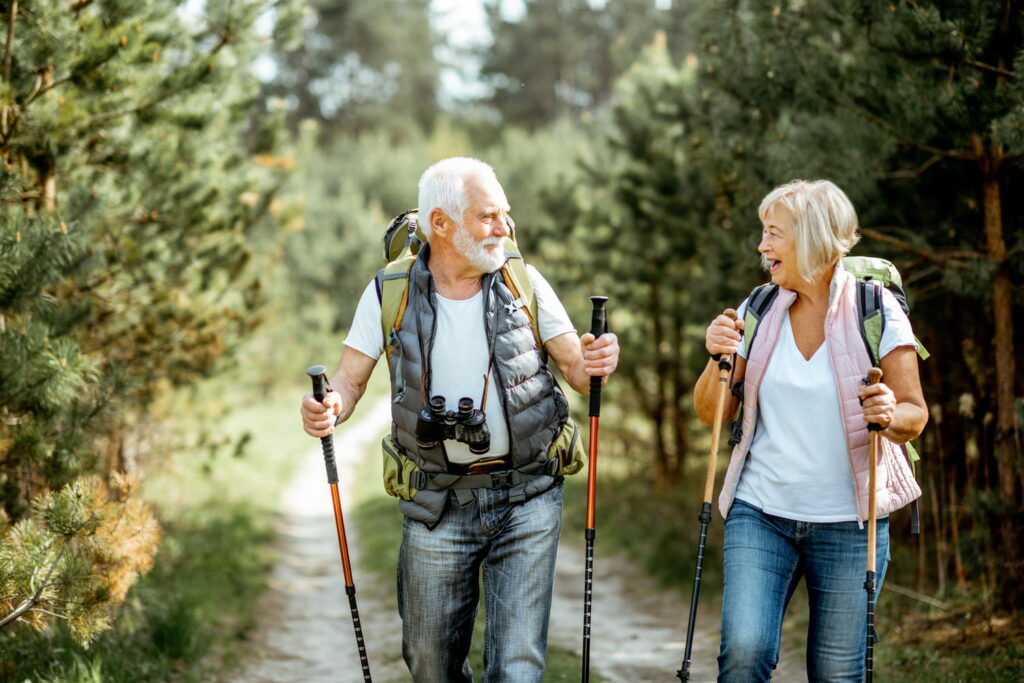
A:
(765, 558)
(439, 587)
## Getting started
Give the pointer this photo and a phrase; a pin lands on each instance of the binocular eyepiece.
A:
(467, 425)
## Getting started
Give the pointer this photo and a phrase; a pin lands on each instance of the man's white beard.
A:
(475, 252)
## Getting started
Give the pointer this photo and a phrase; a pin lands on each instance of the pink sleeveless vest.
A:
(895, 484)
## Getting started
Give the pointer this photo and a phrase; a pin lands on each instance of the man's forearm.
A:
(350, 394)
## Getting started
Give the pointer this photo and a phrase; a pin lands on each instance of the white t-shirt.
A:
(798, 466)
(459, 357)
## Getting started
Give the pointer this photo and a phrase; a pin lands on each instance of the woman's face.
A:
(778, 248)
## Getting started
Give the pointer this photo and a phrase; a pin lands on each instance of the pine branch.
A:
(916, 173)
(52, 614)
(225, 37)
(877, 120)
(988, 67)
(951, 258)
(41, 89)
(30, 602)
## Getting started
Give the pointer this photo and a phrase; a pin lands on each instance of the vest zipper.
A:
(488, 294)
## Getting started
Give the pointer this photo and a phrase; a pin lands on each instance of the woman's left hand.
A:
(879, 404)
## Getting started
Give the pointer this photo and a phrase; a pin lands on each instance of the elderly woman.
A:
(795, 496)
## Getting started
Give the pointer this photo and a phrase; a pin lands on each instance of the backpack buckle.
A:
(503, 480)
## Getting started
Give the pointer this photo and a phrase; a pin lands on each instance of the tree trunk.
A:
(1005, 368)
(1005, 362)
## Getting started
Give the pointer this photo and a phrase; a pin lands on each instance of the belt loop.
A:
(464, 496)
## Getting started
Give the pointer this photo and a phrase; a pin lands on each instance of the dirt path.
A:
(305, 631)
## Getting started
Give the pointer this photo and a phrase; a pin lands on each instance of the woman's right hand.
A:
(318, 418)
(723, 335)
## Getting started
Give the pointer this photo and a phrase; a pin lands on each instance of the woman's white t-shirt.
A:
(798, 466)
(459, 357)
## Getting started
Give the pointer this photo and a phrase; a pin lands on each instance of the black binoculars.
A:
(467, 425)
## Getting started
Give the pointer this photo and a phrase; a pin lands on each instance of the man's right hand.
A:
(318, 418)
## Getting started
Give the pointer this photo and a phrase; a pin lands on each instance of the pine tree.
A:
(640, 220)
(128, 206)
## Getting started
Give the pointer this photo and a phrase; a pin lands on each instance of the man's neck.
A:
(454, 277)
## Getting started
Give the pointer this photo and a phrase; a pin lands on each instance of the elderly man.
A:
(497, 503)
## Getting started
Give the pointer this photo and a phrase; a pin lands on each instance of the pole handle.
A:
(598, 326)
(724, 361)
(874, 377)
(318, 373)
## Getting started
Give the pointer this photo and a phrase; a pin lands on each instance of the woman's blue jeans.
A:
(439, 587)
(765, 558)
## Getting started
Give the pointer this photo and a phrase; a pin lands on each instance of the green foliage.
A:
(561, 58)
(129, 206)
(637, 217)
(363, 65)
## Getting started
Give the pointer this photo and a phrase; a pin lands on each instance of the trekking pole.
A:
(874, 377)
(317, 374)
(598, 326)
(724, 368)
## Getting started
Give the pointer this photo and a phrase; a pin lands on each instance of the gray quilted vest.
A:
(535, 408)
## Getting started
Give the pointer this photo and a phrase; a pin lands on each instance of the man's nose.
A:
(501, 228)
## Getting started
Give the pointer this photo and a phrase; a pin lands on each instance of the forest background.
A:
(193, 196)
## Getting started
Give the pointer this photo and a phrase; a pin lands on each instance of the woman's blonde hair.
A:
(824, 222)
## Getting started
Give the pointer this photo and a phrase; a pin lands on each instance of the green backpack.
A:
(872, 274)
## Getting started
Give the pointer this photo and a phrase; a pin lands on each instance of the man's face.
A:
(484, 227)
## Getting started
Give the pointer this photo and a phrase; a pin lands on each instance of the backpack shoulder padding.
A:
(392, 283)
(758, 303)
(517, 279)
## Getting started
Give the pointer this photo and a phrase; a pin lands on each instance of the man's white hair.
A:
(443, 186)
(824, 222)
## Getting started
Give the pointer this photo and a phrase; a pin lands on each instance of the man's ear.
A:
(440, 224)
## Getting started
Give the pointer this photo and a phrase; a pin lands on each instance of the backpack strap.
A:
(872, 320)
(758, 303)
(392, 283)
(517, 279)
